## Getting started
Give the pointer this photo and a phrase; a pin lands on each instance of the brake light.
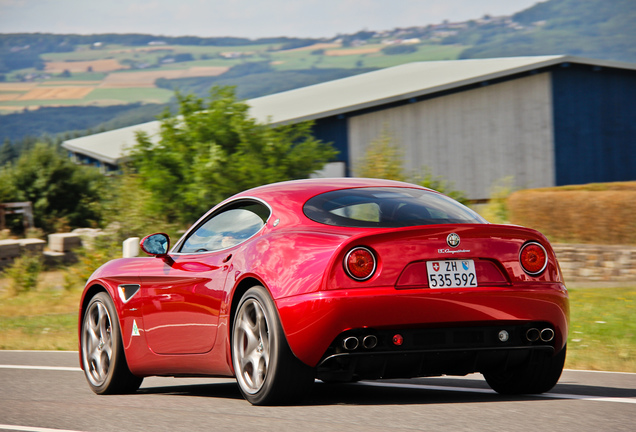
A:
(533, 258)
(360, 263)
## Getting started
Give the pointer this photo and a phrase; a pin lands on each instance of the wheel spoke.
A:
(251, 339)
(97, 345)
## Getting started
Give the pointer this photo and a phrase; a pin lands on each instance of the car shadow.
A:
(403, 392)
(228, 390)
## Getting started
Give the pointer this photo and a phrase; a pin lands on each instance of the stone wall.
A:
(596, 263)
(60, 249)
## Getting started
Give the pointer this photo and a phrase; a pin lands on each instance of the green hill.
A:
(602, 29)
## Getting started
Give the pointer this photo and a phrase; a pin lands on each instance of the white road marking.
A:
(50, 368)
(40, 351)
(480, 390)
(32, 429)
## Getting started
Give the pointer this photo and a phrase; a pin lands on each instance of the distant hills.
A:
(602, 29)
(67, 84)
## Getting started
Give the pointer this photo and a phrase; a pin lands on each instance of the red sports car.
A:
(336, 279)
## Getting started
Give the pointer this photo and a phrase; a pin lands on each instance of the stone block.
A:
(32, 245)
(10, 249)
(53, 259)
(130, 247)
(64, 242)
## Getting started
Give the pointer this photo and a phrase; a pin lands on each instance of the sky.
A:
(240, 18)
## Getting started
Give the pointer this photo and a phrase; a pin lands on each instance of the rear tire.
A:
(267, 371)
(103, 357)
(538, 375)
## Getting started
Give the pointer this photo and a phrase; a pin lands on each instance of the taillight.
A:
(533, 258)
(360, 263)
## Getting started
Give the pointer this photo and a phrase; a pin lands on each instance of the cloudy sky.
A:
(241, 18)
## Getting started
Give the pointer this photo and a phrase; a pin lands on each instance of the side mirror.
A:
(156, 244)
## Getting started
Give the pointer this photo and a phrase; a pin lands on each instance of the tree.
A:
(7, 152)
(385, 159)
(62, 193)
(214, 150)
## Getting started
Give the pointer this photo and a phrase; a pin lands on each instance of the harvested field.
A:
(17, 86)
(18, 108)
(315, 47)
(106, 65)
(67, 83)
(9, 96)
(57, 93)
(147, 79)
(347, 52)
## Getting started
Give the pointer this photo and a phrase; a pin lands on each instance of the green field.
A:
(602, 329)
(130, 95)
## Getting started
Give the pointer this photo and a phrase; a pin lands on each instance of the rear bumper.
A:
(314, 322)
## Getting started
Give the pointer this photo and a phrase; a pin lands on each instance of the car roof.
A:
(299, 191)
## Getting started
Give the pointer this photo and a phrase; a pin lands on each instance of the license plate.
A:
(451, 274)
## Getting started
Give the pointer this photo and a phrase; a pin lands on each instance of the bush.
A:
(595, 213)
(24, 273)
(385, 159)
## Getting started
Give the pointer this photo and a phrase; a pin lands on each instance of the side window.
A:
(229, 227)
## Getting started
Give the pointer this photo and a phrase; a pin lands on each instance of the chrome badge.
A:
(453, 240)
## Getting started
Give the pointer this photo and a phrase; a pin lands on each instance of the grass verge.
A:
(602, 327)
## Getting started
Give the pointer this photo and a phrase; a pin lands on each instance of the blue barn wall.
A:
(334, 130)
(594, 124)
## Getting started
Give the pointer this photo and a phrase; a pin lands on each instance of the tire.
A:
(266, 370)
(538, 375)
(103, 357)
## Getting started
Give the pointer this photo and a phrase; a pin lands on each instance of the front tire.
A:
(266, 370)
(103, 356)
(538, 375)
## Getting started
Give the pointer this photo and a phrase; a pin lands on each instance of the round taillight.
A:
(360, 263)
(533, 258)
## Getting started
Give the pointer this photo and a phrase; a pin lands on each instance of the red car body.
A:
(178, 321)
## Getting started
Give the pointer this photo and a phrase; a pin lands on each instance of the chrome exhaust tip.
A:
(370, 341)
(350, 343)
(533, 335)
(547, 334)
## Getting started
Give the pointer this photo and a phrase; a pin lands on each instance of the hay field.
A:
(352, 51)
(17, 86)
(147, 79)
(10, 96)
(315, 47)
(105, 65)
(56, 93)
(70, 82)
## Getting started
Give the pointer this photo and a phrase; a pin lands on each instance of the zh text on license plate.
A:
(451, 274)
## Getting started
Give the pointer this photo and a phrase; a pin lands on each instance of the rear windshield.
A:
(387, 207)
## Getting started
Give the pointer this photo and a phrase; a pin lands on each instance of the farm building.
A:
(545, 121)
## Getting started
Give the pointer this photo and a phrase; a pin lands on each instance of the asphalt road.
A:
(46, 391)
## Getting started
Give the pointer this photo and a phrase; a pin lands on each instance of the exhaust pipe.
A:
(350, 343)
(370, 341)
(532, 335)
(547, 334)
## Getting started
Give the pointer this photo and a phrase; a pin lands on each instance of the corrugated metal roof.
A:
(112, 145)
(349, 94)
